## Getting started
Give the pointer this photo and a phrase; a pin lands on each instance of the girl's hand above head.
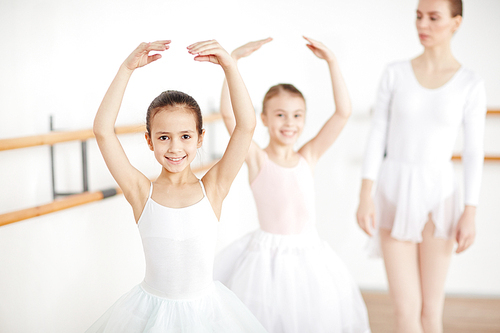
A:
(249, 48)
(320, 50)
(140, 56)
(211, 51)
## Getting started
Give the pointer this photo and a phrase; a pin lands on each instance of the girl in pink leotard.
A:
(289, 278)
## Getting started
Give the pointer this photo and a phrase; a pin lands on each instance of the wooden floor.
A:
(461, 315)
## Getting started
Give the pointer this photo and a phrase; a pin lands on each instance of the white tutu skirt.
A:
(219, 310)
(407, 195)
(293, 283)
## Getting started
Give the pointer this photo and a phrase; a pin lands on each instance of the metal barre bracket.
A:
(85, 176)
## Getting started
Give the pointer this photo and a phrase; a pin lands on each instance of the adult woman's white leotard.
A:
(413, 133)
(284, 272)
(178, 293)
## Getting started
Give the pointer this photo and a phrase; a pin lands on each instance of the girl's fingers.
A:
(208, 51)
(206, 58)
(164, 41)
(310, 40)
(311, 47)
(157, 47)
(194, 47)
(264, 41)
(197, 43)
(154, 57)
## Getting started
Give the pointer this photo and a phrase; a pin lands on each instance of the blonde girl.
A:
(289, 278)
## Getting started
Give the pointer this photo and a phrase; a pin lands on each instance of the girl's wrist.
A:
(332, 61)
(235, 57)
(125, 70)
(232, 66)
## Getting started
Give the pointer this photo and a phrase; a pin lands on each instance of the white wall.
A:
(59, 272)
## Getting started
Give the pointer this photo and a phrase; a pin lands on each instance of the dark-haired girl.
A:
(177, 215)
(416, 212)
(284, 272)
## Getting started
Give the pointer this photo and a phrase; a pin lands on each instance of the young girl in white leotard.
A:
(289, 278)
(416, 213)
(177, 214)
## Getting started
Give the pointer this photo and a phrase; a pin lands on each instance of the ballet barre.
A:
(70, 201)
(79, 135)
(487, 158)
(74, 199)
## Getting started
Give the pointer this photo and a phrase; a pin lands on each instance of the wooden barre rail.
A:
(80, 135)
(487, 158)
(70, 201)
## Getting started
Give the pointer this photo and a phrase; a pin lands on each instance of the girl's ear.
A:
(148, 140)
(263, 116)
(200, 138)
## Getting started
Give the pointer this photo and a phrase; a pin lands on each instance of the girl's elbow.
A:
(97, 130)
(344, 113)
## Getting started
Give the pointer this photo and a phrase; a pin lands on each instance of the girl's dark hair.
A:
(172, 99)
(278, 89)
(456, 7)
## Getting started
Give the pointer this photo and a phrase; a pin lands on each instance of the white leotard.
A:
(179, 247)
(413, 132)
(178, 293)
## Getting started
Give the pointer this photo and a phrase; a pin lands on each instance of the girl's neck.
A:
(281, 152)
(178, 178)
(437, 58)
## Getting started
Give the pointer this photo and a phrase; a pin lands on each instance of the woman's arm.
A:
(254, 155)
(131, 181)
(219, 178)
(366, 209)
(472, 159)
(317, 146)
(374, 153)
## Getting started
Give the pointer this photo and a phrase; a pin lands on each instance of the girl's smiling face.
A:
(434, 22)
(174, 138)
(284, 117)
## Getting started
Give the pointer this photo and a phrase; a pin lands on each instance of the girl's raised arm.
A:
(226, 109)
(317, 146)
(219, 178)
(132, 182)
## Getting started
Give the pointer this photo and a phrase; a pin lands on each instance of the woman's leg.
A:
(403, 275)
(435, 255)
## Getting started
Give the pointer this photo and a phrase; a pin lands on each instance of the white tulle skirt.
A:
(218, 310)
(407, 195)
(293, 283)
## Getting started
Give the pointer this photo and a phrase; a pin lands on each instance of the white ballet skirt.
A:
(178, 293)
(292, 282)
(409, 150)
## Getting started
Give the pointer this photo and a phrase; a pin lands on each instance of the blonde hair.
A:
(278, 89)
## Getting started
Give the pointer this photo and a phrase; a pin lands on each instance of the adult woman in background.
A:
(415, 214)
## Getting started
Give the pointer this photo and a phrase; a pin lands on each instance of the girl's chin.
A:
(287, 141)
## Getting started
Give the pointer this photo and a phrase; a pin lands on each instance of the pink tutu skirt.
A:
(293, 283)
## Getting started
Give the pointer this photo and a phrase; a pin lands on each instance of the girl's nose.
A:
(174, 145)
